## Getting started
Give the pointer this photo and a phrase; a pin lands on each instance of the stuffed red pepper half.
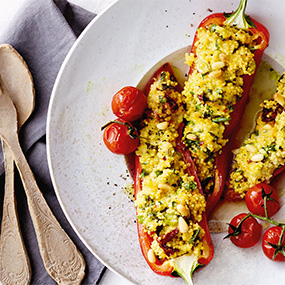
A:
(171, 207)
(226, 51)
(261, 156)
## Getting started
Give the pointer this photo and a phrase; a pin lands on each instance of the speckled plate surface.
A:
(117, 49)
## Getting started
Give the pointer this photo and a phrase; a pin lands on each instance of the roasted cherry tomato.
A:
(255, 200)
(120, 137)
(245, 234)
(270, 244)
(129, 103)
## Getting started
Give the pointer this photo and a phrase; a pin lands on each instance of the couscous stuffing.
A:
(170, 206)
(264, 151)
(223, 55)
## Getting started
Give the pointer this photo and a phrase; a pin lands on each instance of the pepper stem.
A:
(238, 18)
(184, 266)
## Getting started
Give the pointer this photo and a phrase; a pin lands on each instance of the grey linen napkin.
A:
(43, 32)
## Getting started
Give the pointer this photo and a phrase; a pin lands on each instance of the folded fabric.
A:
(43, 32)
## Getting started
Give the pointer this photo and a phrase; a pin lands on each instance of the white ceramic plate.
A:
(117, 49)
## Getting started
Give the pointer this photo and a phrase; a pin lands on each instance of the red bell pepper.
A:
(164, 68)
(230, 194)
(223, 159)
(164, 267)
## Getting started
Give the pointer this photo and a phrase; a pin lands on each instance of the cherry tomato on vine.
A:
(120, 137)
(270, 244)
(254, 199)
(129, 103)
(245, 234)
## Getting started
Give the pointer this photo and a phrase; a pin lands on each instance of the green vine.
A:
(132, 131)
(279, 248)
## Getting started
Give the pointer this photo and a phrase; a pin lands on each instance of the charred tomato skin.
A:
(117, 137)
(250, 231)
(255, 201)
(129, 103)
(272, 236)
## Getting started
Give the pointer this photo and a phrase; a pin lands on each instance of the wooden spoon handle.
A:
(62, 260)
(14, 261)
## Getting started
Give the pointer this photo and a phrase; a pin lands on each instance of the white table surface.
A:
(8, 8)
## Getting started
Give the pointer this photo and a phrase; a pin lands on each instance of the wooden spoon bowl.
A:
(19, 83)
(62, 260)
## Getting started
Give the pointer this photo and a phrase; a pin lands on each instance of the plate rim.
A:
(48, 143)
(59, 197)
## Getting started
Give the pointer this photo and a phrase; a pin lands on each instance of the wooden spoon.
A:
(14, 262)
(62, 260)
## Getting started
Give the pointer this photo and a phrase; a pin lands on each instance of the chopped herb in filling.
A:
(263, 152)
(169, 205)
(222, 56)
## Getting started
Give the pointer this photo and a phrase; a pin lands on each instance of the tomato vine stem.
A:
(131, 130)
(279, 248)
